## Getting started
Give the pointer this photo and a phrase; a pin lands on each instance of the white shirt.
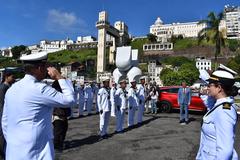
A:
(121, 98)
(133, 100)
(103, 100)
(27, 114)
(154, 96)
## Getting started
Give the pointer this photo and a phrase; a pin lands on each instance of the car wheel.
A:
(166, 107)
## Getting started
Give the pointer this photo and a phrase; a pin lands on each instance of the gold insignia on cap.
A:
(214, 78)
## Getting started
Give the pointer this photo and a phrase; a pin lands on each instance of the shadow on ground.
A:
(96, 138)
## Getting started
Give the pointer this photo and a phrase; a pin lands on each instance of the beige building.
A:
(232, 20)
(166, 31)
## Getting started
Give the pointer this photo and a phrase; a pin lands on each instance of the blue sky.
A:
(29, 21)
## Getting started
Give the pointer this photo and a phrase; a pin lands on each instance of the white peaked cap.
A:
(224, 68)
(133, 80)
(105, 79)
(34, 57)
(223, 75)
(143, 77)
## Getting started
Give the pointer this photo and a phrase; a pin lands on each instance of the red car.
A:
(168, 100)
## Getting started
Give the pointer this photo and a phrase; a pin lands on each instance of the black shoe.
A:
(187, 122)
(118, 132)
(104, 136)
(182, 121)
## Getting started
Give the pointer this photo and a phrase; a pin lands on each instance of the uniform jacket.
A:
(89, 92)
(121, 98)
(81, 92)
(133, 100)
(103, 100)
(112, 95)
(184, 98)
(218, 132)
(141, 94)
(27, 114)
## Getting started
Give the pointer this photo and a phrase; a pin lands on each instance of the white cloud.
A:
(64, 22)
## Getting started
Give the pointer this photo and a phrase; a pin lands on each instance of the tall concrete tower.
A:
(102, 26)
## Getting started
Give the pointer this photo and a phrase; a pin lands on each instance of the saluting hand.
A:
(54, 74)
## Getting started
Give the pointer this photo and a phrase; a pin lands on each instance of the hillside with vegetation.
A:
(66, 56)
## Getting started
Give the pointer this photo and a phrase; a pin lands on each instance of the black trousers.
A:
(2, 146)
(59, 130)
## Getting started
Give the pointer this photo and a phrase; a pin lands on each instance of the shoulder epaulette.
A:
(227, 105)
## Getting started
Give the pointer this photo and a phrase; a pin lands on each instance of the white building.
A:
(6, 52)
(203, 64)
(154, 71)
(232, 18)
(166, 31)
(158, 47)
(55, 45)
(87, 39)
(122, 27)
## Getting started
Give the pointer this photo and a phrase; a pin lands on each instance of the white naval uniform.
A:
(121, 105)
(81, 100)
(96, 93)
(104, 105)
(27, 116)
(218, 133)
(141, 96)
(132, 105)
(112, 99)
(89, 98)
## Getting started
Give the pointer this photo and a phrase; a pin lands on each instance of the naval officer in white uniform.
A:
(112, 99)
(81, 100)
(104, 105)
(27, 113)
(219, 123)
(121, 105)
(133, 102)
(141, 96)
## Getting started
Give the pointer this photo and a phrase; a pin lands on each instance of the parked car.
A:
(168, 100)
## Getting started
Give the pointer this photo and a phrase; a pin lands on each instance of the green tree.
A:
(187, 73)
(165, 71)
(18, 50)
(212, 33)
(152, 38)
(176, 61)
(233, 44)
(234, 63)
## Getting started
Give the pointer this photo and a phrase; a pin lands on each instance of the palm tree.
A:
(212, 32)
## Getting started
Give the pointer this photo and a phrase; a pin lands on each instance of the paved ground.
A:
(159, 138)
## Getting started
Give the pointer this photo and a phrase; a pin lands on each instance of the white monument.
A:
(126, 62)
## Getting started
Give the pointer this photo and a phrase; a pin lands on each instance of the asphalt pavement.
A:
(161, 137)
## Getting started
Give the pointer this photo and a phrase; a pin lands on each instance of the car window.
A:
(174, 90)
(170, 90)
